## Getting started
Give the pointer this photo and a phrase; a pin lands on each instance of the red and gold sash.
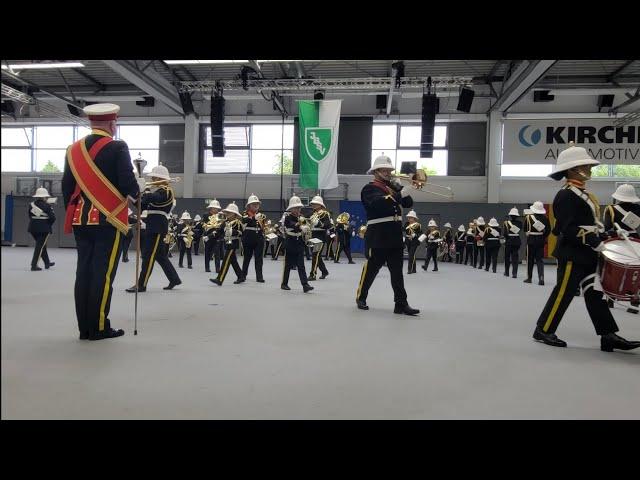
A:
(104, 196)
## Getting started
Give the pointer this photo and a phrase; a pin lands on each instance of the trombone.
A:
(420, 179)
(159, 182)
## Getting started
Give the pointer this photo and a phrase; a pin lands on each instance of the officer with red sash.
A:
(98, 178)
(383, 200)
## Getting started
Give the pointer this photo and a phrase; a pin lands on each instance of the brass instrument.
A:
(362, 231)
(305, 227)
(214, 222)
(413, 227)
(228, 228)
(160, 182)
(261, 218)
(188, 238)
(343, 218)
(420, 179)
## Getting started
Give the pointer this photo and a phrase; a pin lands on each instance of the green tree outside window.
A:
(287, 164)
(50, 167)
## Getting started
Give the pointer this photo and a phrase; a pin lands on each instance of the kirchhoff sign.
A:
(541, 141)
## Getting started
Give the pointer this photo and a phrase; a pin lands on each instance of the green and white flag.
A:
(318, 127)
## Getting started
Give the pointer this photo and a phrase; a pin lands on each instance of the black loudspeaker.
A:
(430, 107)
(185, 100)
(73, 110)
(217, 126)
(150, 102)
(318, 95)
(465, 100)
(605, 101)
(381, 102)
(542, 96)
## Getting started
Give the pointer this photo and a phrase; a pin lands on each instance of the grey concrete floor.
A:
(253, 351)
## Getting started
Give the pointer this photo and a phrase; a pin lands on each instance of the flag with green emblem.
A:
(319, 121)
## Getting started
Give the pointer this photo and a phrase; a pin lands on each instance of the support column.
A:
(191, 133)
(494, 157)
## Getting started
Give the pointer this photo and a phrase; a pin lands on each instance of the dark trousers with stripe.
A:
(279, 248)
(295, 258)
(344, 245)
(468, 253)
(196, 244)
(40, 250)
(534, 255)
(511, 258)
(412, 248)
(376, 258)
(492, 249)
(155, 250)
(252, 249)
(432, 252)
(570, 275)
(99, 249)
(183, 249)
(126, 241)
(317, 261)
(230, 259)
(212, 248)
(479, 256)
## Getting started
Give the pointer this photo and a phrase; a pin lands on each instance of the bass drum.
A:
(619, 269)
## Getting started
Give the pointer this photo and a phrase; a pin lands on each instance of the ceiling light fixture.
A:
(42, 66)
(202, 62)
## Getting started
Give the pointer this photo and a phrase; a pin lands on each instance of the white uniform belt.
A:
(40, 218)
(394, 218)
(157, 212)
(492, 238)
(318, 229)
(294, 234)
(234, 238)
(252, 228)
(535, 233)
(514, 234)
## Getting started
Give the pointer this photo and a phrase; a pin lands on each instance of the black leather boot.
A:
(307, 288)
(406, 309)
(610, 341)
(133, 289)
(548, 338)
(362, 305)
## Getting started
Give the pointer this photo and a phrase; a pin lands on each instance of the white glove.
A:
(622, 233)
(206, 239)
(396, 184)
(422, 238)
(405, 192)
(142, 224)
(142, 183)
(599, 247)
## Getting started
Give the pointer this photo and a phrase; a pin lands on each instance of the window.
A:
(251, 149)
(401, 143)
(43, 148)
(542, 170)
(17, 146)
(142, 140)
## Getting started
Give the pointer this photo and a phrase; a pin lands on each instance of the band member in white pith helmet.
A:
(383, 200)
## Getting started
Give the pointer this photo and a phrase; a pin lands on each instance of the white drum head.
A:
(622, 252)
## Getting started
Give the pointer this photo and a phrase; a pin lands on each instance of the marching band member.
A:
(232, 228)
(344, 231)
(511, 232)
(197, 233)
(480, 233)
(412, 232)
(492, 248)
(383, 200)
(279, 231)
(320, 223)
(470, 248)
(537, 229)
(158, 203)
(295, 245)
(460, 240)
(185, 238)
(579, 241)
(448, 240)
(98, 177)
(41, 218)
(625, 212)
(433, 242)
(212, 237)
(253, 237)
